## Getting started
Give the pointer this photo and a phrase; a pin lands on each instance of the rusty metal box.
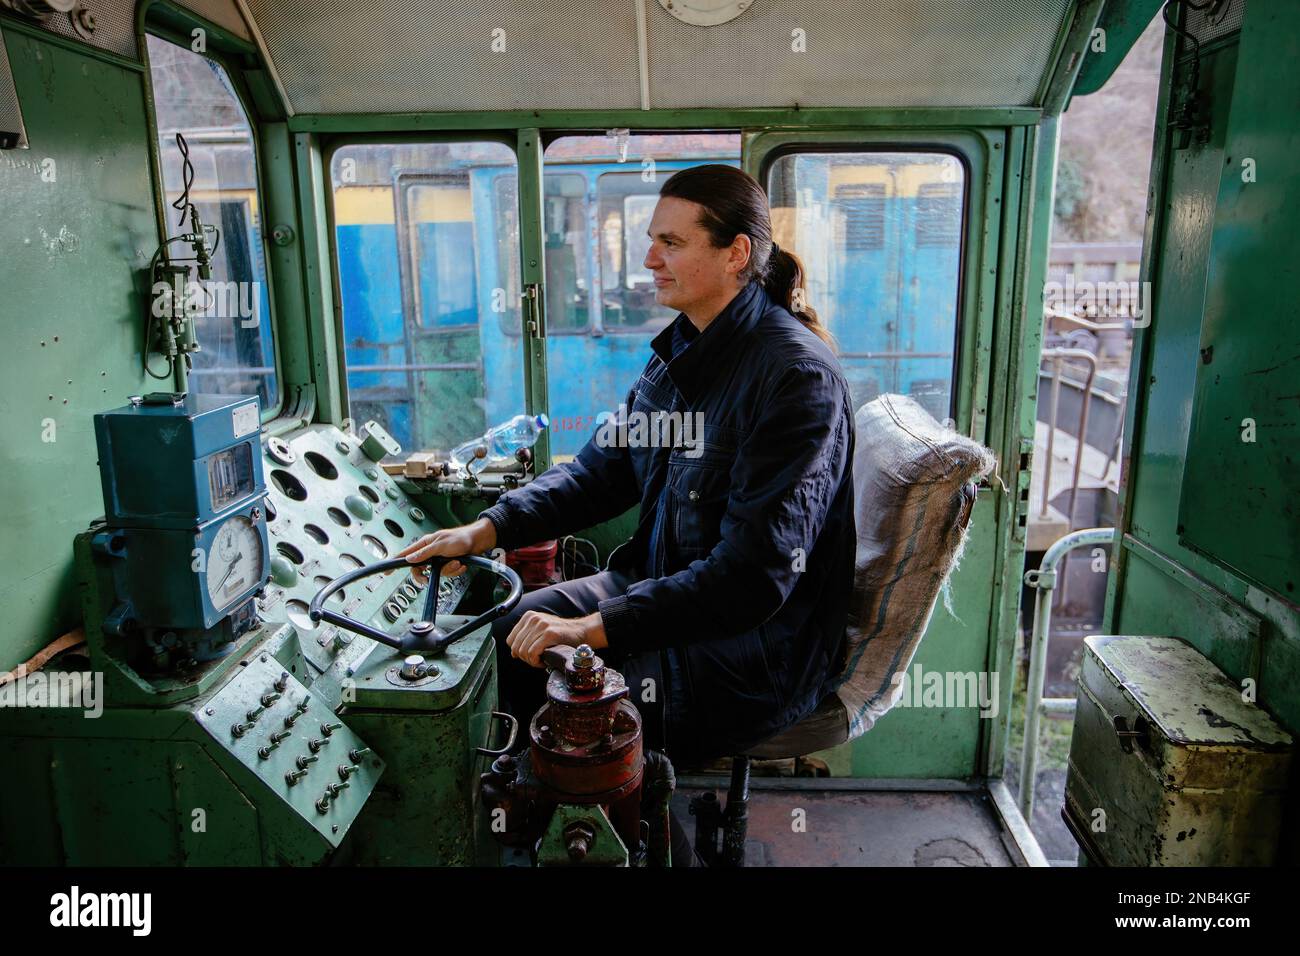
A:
(1170, 764)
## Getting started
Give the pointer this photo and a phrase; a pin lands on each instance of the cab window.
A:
(600, 193)
(879, 234)
(426, 243)
(193, 96)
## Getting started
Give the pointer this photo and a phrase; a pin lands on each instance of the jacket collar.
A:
(691, 369)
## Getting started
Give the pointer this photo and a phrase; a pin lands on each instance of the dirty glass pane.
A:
(598, 284)
(426, 237)
(193, 96)
(880, 236)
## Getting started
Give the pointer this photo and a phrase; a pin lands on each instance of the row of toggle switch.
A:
(267, 700)
(332, 790)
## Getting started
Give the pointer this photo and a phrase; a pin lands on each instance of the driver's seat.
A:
(914, 490)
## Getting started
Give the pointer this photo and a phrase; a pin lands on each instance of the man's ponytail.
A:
(783, 279)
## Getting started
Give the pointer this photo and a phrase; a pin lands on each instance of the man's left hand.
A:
(536, 631)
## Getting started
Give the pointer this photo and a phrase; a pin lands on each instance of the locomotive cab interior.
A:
(266, 266)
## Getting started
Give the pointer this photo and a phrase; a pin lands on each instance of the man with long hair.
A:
(726, 610)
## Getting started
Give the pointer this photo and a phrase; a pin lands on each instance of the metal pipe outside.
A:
(1087, 324)
(1043, 579)
(1051, 430)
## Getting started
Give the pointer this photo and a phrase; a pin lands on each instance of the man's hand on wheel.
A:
(467, 539)
(536, 631)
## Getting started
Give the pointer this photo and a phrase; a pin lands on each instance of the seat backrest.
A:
(913, 495)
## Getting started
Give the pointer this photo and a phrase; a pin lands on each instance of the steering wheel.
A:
(423, 636)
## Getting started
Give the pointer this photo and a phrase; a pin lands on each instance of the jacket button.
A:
(693, 495)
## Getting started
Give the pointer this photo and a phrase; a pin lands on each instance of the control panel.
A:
(294, 744)
(331, 509)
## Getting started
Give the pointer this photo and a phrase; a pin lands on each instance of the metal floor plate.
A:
(865, 828)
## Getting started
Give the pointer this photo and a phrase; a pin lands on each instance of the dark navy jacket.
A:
(751, 518)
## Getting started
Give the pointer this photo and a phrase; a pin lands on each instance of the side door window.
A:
(878, 233)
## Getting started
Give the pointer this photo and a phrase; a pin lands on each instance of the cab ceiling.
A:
(398, 56)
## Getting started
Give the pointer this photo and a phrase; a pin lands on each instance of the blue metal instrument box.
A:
(173, 461)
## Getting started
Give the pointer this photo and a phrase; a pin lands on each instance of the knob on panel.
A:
(413, 667)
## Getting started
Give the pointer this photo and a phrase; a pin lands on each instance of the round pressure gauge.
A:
(234, 561)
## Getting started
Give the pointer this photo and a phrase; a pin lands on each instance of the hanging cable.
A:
(182, 202)
(1166, 13)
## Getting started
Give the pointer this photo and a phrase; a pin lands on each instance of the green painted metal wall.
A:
(77, 230)
(1160, 586)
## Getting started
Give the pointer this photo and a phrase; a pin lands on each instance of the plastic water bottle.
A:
(470, 456)
(498, 444)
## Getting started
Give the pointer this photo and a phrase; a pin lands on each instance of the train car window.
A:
(426, 241)
(436, 231)
(626, 203)
(564, 225)
(879, 234)
(600, 192)
(193, 96)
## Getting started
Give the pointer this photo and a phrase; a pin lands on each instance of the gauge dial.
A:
(234, 561)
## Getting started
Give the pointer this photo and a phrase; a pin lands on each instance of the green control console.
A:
(243, 730)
